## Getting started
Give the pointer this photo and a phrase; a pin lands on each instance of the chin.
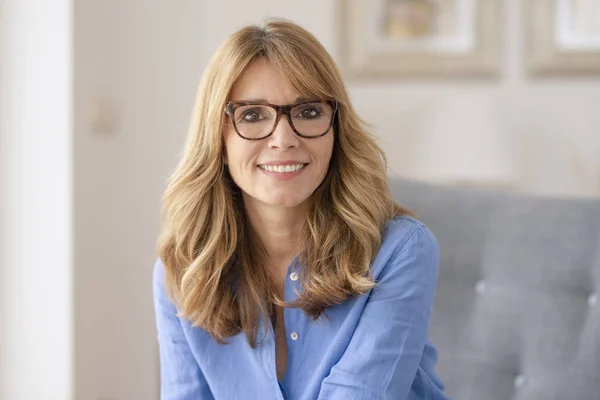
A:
(287, 201)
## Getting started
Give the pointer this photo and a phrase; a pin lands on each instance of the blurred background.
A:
(94, 104)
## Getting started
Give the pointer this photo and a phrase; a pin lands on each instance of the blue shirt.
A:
(374, 346)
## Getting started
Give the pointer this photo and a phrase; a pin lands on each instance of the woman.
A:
(286, 270)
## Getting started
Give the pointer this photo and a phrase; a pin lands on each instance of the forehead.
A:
(262, 81)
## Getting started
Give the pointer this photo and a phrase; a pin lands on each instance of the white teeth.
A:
(282, 168)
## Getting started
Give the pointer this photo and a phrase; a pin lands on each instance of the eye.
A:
(251, 116)
(309, 112)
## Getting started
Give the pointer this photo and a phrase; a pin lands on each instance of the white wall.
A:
(123, 61)
(135, 66)
(36, 303)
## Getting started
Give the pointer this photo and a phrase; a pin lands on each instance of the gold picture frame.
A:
(552, 46)
(370, 49)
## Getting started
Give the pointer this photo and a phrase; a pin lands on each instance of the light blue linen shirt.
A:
(374, 346)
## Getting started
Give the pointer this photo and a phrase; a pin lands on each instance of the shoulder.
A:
(158, 282)
(404, 231)
(409, 247)
(158, 274)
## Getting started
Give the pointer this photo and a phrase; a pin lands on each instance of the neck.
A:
(278, 228)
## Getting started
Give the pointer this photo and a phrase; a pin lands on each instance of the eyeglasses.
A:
(254, 120)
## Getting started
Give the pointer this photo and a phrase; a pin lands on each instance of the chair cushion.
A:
(516, 313)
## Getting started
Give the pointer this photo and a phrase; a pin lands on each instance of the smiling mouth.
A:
(282, 168)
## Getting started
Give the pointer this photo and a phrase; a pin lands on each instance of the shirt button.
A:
(593, 299)
(294, 335)
(480, 286)
(520, 381)
(294, 276)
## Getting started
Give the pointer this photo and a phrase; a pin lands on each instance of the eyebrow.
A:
(298, 100)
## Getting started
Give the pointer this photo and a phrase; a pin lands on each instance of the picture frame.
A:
(370, 47)
(557, 41)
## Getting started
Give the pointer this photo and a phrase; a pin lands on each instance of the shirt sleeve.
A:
(181, 377)
(385, 350)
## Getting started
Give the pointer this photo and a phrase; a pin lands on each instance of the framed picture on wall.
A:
(411, 38)
(563, 36)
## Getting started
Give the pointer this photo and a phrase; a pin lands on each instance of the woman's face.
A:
(259, 167)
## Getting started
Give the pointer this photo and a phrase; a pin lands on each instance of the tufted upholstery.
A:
(516, 315)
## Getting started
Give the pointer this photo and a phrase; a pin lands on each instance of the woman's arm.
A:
(181, 378)
(383, 355)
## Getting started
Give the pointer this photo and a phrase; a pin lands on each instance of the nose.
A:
(283, 137)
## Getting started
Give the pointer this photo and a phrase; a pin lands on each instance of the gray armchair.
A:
(517, 314)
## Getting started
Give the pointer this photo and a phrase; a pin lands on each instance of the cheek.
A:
(325, 152)
(232, 147)
(239, 154)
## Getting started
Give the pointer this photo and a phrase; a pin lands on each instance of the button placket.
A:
(293, 318)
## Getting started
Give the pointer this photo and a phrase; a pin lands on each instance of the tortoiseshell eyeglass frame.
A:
(281, 110)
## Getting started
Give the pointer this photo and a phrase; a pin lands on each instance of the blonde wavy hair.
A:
(213, 262)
